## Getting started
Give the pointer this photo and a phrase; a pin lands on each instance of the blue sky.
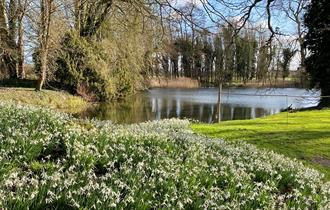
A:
(258, 17)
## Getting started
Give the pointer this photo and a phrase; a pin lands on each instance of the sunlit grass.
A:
(303, 135)
(58, 100)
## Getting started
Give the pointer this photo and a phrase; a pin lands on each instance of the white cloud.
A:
(183, 2)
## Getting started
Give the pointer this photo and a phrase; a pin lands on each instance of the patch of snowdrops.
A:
(50, 160)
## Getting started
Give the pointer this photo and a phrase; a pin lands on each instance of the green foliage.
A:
(208, 52)
(240, 57)
(110, 64)
(317, 21)
(263, 62)
(229, 53)
(81, 62)
(198, 57)
(245, 56)
(185, 48)
(287, 57)
(218, 55)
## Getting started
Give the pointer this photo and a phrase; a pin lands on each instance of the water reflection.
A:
(201, 104)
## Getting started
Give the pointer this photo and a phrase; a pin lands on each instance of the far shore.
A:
(184, 82)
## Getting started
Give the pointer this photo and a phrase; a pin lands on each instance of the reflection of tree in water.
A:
(142, 108)
(170, 104)
(169, 108)
(132, 110)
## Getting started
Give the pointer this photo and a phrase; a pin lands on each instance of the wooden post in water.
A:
(219, 102)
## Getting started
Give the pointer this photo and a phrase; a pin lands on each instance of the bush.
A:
(80, 63)
(113, 63)
(103, 70)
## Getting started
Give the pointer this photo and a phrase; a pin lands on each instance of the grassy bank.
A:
(50, 160)
(58, 100)
(302, 135)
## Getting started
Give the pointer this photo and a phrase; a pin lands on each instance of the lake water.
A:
(201, 104)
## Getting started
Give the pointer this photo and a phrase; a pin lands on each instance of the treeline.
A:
(104, 50)
(225, 55)
(98, 49)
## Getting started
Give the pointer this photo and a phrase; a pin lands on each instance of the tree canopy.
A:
(317, 20)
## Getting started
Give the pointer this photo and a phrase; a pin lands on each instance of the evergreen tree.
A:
(208, 57)
(185, 48)
(229, 53)
(240, 57)
(287, 57)
(198, 57)
(263, 61)
(218, 56)
(317, 20)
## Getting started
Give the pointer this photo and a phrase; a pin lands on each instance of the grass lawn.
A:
(58, 100)
(303, 135)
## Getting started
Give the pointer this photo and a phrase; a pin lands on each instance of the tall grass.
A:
(180, 82)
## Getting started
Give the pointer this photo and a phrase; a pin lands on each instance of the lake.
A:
(201, 104)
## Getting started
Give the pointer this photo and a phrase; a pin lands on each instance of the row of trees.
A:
(104, 49)
(242, 57)
(308, 31)
(309, 18)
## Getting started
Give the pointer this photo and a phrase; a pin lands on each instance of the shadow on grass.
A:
(296, 136)
(22, 83)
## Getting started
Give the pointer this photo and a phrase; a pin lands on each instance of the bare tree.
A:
(21, 12)
(90, 14)
(294, 10)
(46, 11)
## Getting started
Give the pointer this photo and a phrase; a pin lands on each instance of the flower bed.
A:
(50, 160)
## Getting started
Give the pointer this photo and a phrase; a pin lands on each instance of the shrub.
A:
(80, 63)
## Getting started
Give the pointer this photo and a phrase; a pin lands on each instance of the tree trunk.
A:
(3, 17)
(12, 34)
(325, 97)
(301, 40)
(302, 62)
(12, 21)
(43, 70)
(219, 102)
(20, 49)
(78, 15)
(7, 48)
(46, 12)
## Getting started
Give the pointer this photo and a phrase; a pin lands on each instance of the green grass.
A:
(303, 135)
(58, 100)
